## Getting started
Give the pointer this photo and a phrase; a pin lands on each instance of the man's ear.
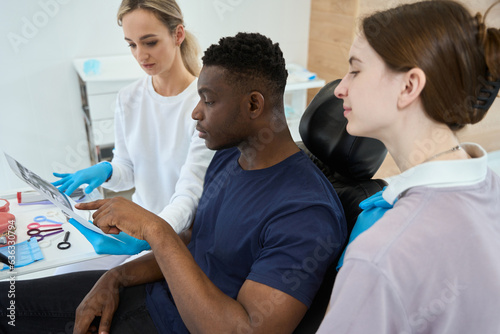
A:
(413, 84)
(255, 104)
(179, 35)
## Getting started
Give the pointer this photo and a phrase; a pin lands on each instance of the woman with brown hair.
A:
(419, 73)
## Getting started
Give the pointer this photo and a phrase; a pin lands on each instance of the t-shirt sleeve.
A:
(296, 251)
(364, 301)
(179, 213)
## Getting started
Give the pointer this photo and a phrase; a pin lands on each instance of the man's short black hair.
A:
(252, 60)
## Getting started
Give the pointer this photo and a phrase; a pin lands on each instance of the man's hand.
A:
(119, 214)
(101, 301)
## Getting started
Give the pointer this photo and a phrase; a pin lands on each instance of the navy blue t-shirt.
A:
(281, 226)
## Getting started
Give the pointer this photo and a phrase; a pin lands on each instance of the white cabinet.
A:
(102, 106)
(99, 90)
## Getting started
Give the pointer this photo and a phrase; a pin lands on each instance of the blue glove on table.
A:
(94, 176)
(104, 245)
(374, 207)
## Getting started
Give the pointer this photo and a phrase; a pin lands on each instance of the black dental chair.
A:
(349, 163)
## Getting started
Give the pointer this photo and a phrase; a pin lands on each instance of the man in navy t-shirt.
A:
(275, 229)
(268, 224)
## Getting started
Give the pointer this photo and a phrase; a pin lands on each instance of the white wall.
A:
(41, 121)
(284, 21)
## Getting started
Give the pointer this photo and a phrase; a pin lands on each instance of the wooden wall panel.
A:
(330, 36)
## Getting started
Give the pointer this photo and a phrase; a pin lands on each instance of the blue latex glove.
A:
(374, 207)
(94, 176)
(104, 245)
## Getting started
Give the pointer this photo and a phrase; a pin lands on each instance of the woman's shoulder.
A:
(133, 89)
(429, 218)
(139, 84)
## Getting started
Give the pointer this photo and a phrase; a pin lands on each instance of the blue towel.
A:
(23, 253)
(374, 207)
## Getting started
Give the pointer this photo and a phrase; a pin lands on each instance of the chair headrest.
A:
(323, 131)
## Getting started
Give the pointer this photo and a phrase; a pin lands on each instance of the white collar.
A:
(446, 173)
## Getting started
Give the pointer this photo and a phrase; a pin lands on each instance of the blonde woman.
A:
(157, 148)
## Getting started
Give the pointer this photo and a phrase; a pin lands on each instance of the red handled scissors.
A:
(39, 219)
